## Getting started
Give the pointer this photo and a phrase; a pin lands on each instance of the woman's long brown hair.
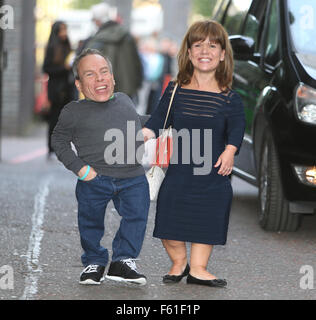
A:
(199, 31)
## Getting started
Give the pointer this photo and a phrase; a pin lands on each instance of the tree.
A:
(83, 4)
(203, 7)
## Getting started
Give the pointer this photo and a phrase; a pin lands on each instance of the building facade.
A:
(17, 98)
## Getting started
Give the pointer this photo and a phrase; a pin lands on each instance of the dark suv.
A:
(275, 73)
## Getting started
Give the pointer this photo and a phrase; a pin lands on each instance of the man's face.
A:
(96, 81)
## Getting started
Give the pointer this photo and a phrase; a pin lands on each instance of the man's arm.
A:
(61, 142)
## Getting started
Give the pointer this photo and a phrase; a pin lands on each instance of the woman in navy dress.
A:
(195, 198)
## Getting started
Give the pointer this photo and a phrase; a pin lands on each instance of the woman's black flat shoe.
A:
(211, 283)
(168, 278)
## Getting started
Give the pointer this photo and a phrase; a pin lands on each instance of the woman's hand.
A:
(91, 175)
(226, 160)
(148, 134)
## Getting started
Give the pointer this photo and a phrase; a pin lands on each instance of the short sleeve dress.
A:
(194, 201)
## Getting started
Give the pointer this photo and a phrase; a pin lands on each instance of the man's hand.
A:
(91, 175)
(148, 134)
(226, 161)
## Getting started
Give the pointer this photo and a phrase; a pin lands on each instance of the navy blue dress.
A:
(194, 206)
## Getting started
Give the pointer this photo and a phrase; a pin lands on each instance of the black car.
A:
(275, 73)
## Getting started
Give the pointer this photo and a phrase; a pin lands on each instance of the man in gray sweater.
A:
(106, 170)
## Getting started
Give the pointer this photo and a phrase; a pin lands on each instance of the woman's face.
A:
(62, 34)
(206, 55)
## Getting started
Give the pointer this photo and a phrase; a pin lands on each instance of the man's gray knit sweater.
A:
(86, 124)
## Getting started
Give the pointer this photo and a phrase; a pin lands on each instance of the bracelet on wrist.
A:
(85, 175)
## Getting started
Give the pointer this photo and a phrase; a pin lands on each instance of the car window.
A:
(254, 22)
(220, 10)
(302, 15)
(271, 42)
(251, 26)
(235, 15)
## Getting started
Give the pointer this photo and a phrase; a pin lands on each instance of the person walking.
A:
(115, 42)
(195, 207)
(60, 83)
(153, 66)
(87, 123)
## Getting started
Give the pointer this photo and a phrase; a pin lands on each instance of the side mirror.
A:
(243, 47)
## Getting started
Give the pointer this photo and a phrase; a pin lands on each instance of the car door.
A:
(249, 80)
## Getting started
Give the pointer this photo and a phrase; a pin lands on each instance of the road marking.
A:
(29, 156)
(36, 236)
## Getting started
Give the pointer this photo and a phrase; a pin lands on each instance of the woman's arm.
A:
(226, 160)
(235, 133)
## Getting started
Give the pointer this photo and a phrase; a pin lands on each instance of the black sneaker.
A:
(92, 274)
(125, 271)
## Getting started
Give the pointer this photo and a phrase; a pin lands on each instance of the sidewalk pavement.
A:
(15, 149)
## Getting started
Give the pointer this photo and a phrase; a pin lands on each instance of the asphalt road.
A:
(40, 249)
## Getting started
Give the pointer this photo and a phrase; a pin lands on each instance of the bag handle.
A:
(170, 103)
(164, 126)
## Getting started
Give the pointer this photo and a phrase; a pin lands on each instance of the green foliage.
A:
(83, 4)
(204, 7)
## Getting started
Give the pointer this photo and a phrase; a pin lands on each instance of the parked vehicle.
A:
(275, 74)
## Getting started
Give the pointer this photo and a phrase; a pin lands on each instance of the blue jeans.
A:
(131, 200)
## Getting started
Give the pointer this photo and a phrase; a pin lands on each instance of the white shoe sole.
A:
(139, 281)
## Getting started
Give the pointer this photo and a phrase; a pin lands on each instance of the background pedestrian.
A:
(61, 81)
(114, 41)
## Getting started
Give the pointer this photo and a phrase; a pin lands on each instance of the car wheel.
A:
(274, 214)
